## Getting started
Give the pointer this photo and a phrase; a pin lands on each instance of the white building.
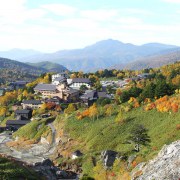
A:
(62, 74)
(78, 82)
(59, 80)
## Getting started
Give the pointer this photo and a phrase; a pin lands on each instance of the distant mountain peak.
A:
(102, 54)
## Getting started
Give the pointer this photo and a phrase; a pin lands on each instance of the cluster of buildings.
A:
(61, 90)
(22, 117)
(63, 87)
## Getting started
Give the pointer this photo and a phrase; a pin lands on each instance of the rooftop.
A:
(45, 87)
(19, 83)
(80, 80)
(22, 111)
(17, 122)
(32, 101)
(71, 91)
(60, 79)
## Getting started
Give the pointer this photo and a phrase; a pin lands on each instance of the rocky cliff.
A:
(166, 166)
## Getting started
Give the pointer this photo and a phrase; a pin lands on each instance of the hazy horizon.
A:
(81, 47)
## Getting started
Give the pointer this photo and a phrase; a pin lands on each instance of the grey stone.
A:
(108, 157)
(166, 166)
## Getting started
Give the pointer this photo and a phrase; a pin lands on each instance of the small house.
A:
(16, 124)
(23, 114)
(17, 85)
(32, 104)
(90, 96)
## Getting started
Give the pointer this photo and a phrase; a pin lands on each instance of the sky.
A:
(52, 25)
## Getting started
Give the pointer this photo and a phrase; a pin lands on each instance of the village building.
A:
(76, 83)
(90, 96)
(62, 91)
(59, 80)
(56, 100)
(62, 74)
(23, 114)
(16, 124)
(31, 104)
(17, 85)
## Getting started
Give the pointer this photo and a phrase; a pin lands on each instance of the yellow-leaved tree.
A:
(70, 109)
(93, 112)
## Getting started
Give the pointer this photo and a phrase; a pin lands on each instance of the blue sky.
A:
(51, 25)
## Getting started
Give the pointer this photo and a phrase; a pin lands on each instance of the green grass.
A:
(11, 170)
(33, 130)
(105, 133)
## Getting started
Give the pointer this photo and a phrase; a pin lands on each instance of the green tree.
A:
(139, 137)
(149, 91)
(83, 88)
(162, 89)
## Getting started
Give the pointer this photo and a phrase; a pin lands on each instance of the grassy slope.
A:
(11, 170)
(34, 130)
(106, 134)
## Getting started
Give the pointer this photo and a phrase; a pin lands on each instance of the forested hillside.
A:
(11, 70)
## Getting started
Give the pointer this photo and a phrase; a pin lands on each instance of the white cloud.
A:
(15, 12)
(129, 20)
(172, 1)
(60, 9)
(100, 14)
(67, 27)
(78, 23)
(135, 11)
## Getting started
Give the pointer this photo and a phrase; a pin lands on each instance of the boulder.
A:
(47, 162)
(108, 157)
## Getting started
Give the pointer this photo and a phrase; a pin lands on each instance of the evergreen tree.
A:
(139, 137)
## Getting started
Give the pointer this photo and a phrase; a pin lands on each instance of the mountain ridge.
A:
(101, 55)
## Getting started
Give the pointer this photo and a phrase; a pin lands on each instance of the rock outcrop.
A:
(166, 166)
(108, 157)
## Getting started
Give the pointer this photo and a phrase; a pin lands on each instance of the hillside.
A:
(49, 66)
(11, 70)
(13, 170)
(100, 55)
(92, 137)
(151, 61)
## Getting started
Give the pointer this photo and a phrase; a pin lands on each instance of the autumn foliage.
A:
(165, 104)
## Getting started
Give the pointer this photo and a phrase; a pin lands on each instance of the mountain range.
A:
(103, 54)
